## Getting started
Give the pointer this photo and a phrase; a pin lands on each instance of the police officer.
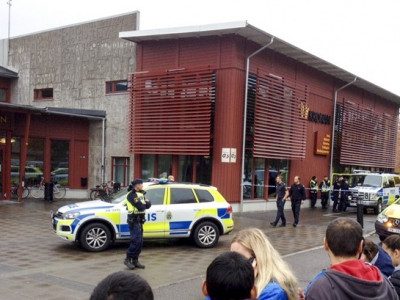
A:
(344, 192)
(325, 187)
(281, 195)
(297, 194)
(136, 205)
(336, 193)
(313, 191)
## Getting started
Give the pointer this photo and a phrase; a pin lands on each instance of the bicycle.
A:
(14, 191)
(105, 192)
(59, 191)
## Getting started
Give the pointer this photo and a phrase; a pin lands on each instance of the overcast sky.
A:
(360, 36)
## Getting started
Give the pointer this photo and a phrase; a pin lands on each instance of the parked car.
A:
(388, 221)
(178, 210)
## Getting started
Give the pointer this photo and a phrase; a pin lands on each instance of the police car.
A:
(178, 210)
(388, 221)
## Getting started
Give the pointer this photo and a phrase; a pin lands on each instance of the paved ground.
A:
(35, 264)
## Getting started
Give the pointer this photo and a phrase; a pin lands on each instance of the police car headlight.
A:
(74, 215)
(373, 196)
(382, 218)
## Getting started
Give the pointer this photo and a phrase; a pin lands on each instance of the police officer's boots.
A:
(138, 264)
(128, 262)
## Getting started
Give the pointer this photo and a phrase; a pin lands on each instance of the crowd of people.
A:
(254, 269)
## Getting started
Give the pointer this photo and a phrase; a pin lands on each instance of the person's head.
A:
(392, 246)
(122, 285)
(267, 263)
(314, 178)
(370, 250)
(230, 276)
(279, 179)
(296, 179)
(171, 178)
(344, 239)
(326, 178)
(137, 184)
(340, 178)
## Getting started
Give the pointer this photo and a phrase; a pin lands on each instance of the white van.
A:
(377, 190)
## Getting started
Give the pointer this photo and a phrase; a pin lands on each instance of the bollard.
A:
(360, 213)
(48, 191)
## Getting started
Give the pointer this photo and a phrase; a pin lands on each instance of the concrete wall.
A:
(76, 61)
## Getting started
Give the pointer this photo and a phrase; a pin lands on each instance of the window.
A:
(182, 196)
(60, 161)
(3, 95)
(43, 94)
(397, 180)
(156, 196)
(120, 86)
(204, 196)
(120, 170)
(34, 161)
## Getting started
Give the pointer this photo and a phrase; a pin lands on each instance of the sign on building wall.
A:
(228, 155)
(322, 143)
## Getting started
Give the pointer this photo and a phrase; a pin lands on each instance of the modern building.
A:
(233, 106)
(64, 106)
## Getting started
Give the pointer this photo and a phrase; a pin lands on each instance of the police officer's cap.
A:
(137, 181)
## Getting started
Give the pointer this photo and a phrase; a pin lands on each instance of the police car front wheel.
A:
(95, 237)
(206, 235)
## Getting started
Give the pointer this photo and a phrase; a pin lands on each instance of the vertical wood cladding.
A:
(367, 138)
(171, 112)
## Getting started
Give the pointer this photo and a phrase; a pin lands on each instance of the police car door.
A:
(155, 215)
(392, 191)
(181, 211)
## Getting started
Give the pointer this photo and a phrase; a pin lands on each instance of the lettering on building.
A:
(312, 116)
(322, 143)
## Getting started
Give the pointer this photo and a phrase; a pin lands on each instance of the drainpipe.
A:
(334, 122)
(245, 115)
(103, 142)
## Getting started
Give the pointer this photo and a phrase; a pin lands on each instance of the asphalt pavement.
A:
(36, 264)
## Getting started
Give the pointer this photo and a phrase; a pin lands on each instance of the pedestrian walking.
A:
(136, 204)
(313, 191)
(325, 187)
(336, 193)
(344, 193)
(348, 277)
(297, 194)
(281, 194)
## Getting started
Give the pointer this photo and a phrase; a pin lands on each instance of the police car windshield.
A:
(372, 180)
(119, 196)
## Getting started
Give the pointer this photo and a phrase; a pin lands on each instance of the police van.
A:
(178, 210)
(376, 190)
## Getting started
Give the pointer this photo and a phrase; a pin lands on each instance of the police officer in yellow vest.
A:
(313, 191)
(325, 187)
(136, 205)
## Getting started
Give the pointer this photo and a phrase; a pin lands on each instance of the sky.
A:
(359, 36)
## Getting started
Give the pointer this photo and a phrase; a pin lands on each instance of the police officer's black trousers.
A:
(324, 199)
(136, 231)
(343, 203)
(313, 198)
(296, 210)
(335, 202)
(280, 204)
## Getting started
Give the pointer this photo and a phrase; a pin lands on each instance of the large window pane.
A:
(203, 169)
(148, 166)
(34, 161)
(15, 155)
(164, 166)
(3, 95)
(248, 175)
(277, 167)
(60, 161)
(259, 177)
(186, 168)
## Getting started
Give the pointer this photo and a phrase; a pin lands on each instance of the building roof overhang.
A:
(7, 73)
(71, 112)
(252, 33)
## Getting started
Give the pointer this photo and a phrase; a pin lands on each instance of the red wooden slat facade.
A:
(171, 112)
(368, 138)
(280, 123)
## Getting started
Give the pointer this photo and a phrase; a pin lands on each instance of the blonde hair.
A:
(270, 265)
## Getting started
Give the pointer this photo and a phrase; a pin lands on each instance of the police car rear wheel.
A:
(95, 237)
(206, 235)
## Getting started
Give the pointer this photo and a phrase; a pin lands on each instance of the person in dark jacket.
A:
(297, 195)
(281, 194)
(378, 257)
(344, 193)
(392, 246)
(348, 277)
